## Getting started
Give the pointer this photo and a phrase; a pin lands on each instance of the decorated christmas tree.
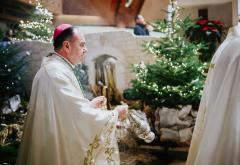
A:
(12, 112)
(38, 26)
(176, 77)
(12, 67)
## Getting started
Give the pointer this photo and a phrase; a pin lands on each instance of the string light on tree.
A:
(12, 68)
(175, 78)
(39, 26)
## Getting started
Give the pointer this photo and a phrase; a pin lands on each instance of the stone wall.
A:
(37, 51)
(123, 46)
(213, 12)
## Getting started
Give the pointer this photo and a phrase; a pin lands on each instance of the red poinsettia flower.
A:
(206, 28)
(217, 22)
(202, 21)
(213, 29)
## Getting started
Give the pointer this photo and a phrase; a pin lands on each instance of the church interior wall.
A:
(158, 9)
(123, 46)
(188, 3)
(95, 12)
(222, 12)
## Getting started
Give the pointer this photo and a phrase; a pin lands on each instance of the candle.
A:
(169, 8)
(169, 12)
(238, 7)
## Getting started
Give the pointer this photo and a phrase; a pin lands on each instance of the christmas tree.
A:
(39, 25)
(12, 69)
(176, 77)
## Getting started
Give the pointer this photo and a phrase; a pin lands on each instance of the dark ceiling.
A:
(11, 11)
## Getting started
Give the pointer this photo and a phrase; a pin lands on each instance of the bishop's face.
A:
(78, 48)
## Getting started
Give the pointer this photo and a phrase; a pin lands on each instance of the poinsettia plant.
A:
(209, 32)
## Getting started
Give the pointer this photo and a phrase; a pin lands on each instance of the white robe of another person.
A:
(61, 128)
(216, 137)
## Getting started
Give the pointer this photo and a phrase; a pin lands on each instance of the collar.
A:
(142, 25)
(66, 60)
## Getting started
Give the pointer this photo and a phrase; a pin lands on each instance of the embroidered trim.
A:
(211, 65)
(89, 159)
(109, 150)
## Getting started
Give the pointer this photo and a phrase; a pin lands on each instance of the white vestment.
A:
(61, 128)
(216, 137)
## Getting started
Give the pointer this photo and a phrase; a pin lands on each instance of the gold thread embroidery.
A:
(109, 150)
(211, 65)
(89, 160)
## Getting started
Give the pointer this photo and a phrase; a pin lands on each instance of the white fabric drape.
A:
(216, 137)
(61, 128)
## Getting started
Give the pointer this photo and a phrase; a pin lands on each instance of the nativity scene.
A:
(79, 85)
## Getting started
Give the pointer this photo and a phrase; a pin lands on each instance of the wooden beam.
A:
(14, 10)
(9, 18)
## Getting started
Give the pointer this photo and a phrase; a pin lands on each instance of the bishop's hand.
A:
(98, 102)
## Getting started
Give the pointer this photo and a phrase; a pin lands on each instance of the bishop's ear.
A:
(66, 45)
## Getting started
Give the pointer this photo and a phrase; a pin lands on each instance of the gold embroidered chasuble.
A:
(61, 128)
